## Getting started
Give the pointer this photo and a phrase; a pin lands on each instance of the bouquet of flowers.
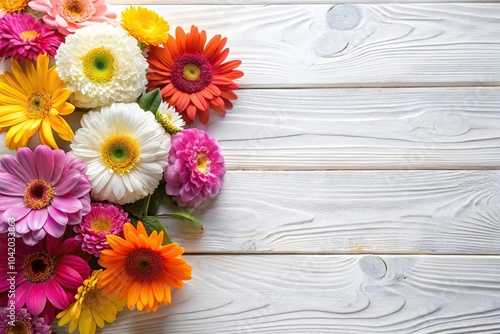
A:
(80, 236)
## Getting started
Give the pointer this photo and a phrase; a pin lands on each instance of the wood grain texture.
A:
(329, 294)
(392, 44)
(415, 128)
(444, 212)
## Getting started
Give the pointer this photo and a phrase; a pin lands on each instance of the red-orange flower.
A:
(192, 76)
(140, 268)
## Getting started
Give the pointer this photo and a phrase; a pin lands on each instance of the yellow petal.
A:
(11, 118)
(61, 127)
(45, 133)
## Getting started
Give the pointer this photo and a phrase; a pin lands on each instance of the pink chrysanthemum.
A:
(42, 191)
(196, 168)
(47, 275)
(102, 220)
(68, 16)
(23, 37)
(24, 322)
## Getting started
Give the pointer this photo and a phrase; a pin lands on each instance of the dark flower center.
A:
(39, 267)
(20, 327)
(144, 265)
(191, 73)
(38, 194)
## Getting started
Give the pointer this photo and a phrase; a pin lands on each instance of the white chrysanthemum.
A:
(101, 64)
(126, 151)
(170, 119)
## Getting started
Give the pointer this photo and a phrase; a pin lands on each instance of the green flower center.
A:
(191, 72)
(120, 153)
(38, 104)
(98, 65)
(101, 223)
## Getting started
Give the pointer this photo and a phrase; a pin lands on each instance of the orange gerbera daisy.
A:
(140, 268)
(191, 75)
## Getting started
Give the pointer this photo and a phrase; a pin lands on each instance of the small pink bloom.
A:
(69, 15)
(102, 220)
(42, 192)
(196, 168)
(23, 37)
(47, 275)
(24, 322)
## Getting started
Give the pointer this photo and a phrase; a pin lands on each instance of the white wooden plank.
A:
(281, 2)
(443, 212)
(389, 44)
(329, 294)
(417, 128)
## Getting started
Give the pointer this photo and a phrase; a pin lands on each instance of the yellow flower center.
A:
(39, 267)
(202, 163)
(98, 65)
(19, 327)
(101, 223)
(11, 6)
(120, 153)
(75, 10)
(38, 194)
(28, 35)
(191, 72)
(38, 104)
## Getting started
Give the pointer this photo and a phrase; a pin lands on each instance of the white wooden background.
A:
(363, 193)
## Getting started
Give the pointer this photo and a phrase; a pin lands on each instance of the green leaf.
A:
(151, 224)
(150, 101)
(184, 215)
(135, 208)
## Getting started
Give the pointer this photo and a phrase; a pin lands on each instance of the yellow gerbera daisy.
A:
(11, 6)
(33, 99)
(92, 307)
(145, 25)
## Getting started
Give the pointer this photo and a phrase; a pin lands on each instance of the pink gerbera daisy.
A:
(42, 191)
(24, 322)
(47, 275)
(68, 16)
(102, 220)
(196, 168)
(23, 37)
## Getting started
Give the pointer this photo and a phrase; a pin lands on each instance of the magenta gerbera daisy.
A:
(22, 322)
(42, 191)
(23, 37)
(47, 275)
(102, 220)
(196, 168)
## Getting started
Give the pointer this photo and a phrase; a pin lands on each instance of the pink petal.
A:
(39, 234)
(56, 294)
(67, 182)
(77, 263)
(22, 226)
(44, 162)
(76, 218)
(53, 228)
(29, 239)
(58, 216)
(22, 294)
(68, 277)
(7, 202)
(17, 213)
(59, 164)
(37, 218)
(68, 204)
(36, 298)
(82, 188)
(12, 184)
(27, 159)
(12, 166)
